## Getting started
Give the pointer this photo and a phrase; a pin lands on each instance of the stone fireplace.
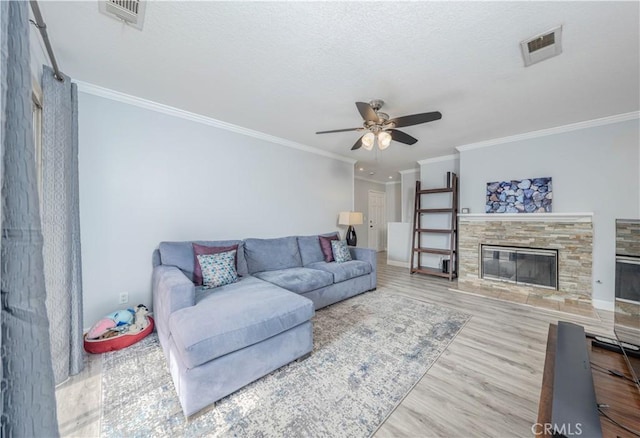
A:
(545, 254)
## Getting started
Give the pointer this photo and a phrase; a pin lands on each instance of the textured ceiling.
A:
(292, 68)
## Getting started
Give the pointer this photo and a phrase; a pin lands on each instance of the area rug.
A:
(369, 351)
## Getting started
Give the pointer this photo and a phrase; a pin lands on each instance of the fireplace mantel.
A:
(528, 217)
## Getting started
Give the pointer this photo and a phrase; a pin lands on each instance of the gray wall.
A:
(594, 170)
(361, 203)
(146, 177)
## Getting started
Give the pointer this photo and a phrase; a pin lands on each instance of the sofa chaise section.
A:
(243, 331)
(203, 385)
(235, 316)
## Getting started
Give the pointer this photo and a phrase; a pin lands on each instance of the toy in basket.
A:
(118, 330)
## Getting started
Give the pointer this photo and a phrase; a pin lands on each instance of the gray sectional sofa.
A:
(218, 340)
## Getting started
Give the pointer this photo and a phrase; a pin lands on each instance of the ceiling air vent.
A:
(129, 11)
(542, 46)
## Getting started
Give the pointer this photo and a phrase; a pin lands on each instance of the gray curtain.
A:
(61, 223)
(28, 393)
(4, 27)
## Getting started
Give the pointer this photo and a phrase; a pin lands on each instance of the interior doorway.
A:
(377, 222)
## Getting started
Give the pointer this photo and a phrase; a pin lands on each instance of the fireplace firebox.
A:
(527, 266)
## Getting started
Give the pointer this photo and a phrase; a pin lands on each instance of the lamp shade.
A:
(367, 140)
(384, 140)
(350, 218)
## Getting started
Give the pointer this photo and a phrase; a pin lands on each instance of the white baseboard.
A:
(397, 263)
(603, 305)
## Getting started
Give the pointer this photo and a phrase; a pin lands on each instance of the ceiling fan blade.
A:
(367, 112)
(357, 145)
(402, 137)
(338, 130)
(416, 119)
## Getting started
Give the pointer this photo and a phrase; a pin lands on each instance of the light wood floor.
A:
(487, 383)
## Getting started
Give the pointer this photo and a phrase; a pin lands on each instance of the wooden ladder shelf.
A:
(421, 215)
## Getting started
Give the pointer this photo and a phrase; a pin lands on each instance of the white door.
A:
(377, 220)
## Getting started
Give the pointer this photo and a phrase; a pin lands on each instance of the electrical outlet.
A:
(124, 298)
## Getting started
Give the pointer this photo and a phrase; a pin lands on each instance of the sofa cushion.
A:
(199, 250)
(272, 254)
(180, 254)
(344, 271)
(218, 269)
(341, 253)
(310, 250)
(298, 280)
(235, 316)
(325, 246)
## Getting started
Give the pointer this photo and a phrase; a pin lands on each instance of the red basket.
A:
(96, 346)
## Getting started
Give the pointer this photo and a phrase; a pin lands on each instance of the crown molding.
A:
(107, 93)
(439, 159)
(362, 178)
(551, 131)
(404, 172)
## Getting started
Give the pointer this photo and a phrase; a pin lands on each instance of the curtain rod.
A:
(42, 27)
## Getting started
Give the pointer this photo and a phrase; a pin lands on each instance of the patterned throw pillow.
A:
(218, 269)
(206, 250)
(341, 253)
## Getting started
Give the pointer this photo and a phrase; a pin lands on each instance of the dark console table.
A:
(621, 395)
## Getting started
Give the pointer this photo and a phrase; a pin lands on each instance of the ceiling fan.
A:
(379, 127)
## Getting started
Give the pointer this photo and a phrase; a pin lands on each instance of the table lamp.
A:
(350, 218)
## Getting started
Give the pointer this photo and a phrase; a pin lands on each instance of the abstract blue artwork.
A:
(532, 195)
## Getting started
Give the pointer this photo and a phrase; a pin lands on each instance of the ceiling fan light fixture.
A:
(384, 140)
(379, 128)
(367, 140)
